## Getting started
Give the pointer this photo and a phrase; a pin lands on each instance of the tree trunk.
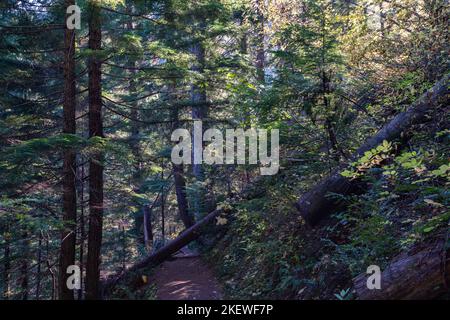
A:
(49, 267)
(199, 112)
(382, 20)
(314, 205)
(243, 43)
(163, 213)
(423, 273)
(260, 54)
(177, 169)
(25, 251)
(95, 164)
(186, 237)
(82, 228)
(330, 114)
(124, 246)
(180, 190)
(39, 267)
(6, 261)
(148, 229)
(68, 236)
(132, 89)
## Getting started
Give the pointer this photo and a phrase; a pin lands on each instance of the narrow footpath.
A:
(186, 277)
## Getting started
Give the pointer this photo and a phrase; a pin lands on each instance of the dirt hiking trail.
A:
(186, 277)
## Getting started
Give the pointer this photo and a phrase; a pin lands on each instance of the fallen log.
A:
(185, 237)
(315, 204)
(420, 274)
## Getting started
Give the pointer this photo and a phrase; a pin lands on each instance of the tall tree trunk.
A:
(39, 267)
(49, 267)
(243, 42)
(180, 190)
(24, 279)
(163, 203)
(135, 131)
(95, 164)
(124, 247)
(148, 228)
(382, 20)
(177, 169)
(199, 112)
(68, 236)
(82, 227)
(6, 261)
(330, 114)
(243, 39)
(260, 53)
(132, 89)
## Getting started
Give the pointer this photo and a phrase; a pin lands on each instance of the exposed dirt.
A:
(186, 278)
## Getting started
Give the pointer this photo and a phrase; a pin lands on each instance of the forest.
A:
(224, 149)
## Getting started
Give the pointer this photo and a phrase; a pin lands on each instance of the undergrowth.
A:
(269, 252)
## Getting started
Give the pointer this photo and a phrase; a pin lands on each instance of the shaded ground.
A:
(186, 278)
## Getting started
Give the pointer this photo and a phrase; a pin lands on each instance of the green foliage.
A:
(370, 159)
(333, 73)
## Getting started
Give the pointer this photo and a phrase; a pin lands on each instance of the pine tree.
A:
(95, 163)
(68, 237)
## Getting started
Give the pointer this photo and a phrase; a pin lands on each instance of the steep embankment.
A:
(269, 251)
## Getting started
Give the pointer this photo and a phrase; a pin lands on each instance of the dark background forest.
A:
(358, 90)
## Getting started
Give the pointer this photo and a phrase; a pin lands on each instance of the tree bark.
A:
(243, 41)
(24, 278)
(95, 163)
(315, 205)
(82, 228)
(199, 112)
(148, 229)
(39, 267)
(49, 267)
(177, 169)
(260, 54)
(6, 261)
(423, 273)
(163, 212)
(180, 190)
(132, 89)
(135, 132)
(68, 236)
(162, 254)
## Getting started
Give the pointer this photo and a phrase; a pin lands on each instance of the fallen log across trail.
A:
(185, 237)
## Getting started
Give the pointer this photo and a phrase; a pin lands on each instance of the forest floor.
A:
(186, 277)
